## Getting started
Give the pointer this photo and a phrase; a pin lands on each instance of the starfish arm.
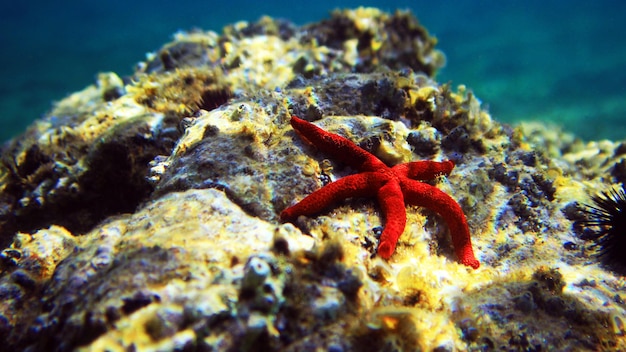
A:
(431, 197)
(391, 203)
(339, 147)
(424, 170)
(359, 185)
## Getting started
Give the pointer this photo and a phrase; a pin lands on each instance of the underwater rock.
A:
(142, 213)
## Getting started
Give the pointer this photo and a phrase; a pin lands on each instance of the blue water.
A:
(564, 62)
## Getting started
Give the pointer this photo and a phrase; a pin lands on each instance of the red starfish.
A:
(393, 186)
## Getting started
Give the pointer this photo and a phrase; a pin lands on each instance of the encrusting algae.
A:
(143, 212)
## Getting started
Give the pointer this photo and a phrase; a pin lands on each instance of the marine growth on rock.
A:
(143, 212)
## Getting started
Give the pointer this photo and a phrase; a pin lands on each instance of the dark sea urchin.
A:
(607, 219)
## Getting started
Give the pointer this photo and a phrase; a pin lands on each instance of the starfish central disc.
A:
(392, 186)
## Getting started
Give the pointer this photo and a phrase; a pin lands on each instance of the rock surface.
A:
(142, 212)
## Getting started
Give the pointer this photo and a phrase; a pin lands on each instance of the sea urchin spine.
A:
(607, 215)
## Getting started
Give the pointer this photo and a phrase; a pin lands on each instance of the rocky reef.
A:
(142, 212)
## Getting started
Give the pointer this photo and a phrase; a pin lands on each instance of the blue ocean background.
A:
(562, 62)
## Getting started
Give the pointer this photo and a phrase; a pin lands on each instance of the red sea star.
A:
(393, 186)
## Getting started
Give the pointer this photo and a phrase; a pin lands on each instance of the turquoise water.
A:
(564, 62)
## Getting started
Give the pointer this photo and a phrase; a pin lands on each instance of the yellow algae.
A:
(46, 247)
(424, 94)
(364, 18)
(568, 189)
(351, 55)
(398, 151)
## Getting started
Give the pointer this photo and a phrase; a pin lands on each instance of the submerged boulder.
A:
(142, 212)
